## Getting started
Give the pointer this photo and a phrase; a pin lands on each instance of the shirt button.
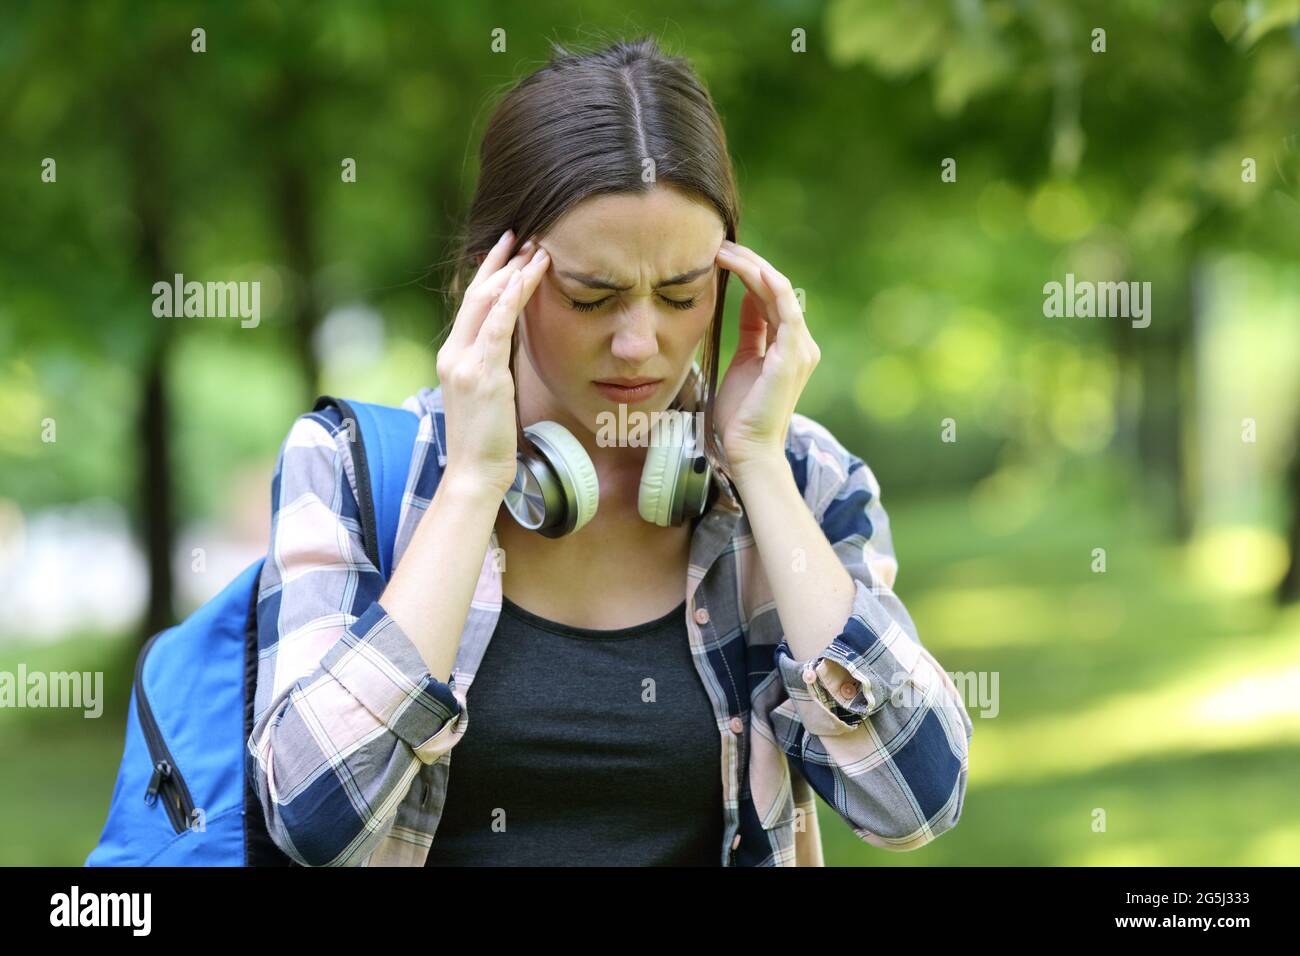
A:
(735, 841)
(701, 615)
(848, 690)
(809, 676)
(737, 725)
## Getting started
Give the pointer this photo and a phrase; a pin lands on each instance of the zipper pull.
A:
(161, 771)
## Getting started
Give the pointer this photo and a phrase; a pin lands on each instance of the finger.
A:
(791, 311)
(479, 301)
(776, 281)
(788, 308)
(793, 333)
(500, 323)
(494, 258)
(755, 330)
(751, 275)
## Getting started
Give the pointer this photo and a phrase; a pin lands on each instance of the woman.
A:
(644, 693)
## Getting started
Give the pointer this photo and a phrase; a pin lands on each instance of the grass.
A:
(55, 791)
(1147, 715)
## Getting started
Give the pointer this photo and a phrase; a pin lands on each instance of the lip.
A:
(620, 393)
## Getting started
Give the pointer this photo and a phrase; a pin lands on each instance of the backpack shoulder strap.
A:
(382, 459)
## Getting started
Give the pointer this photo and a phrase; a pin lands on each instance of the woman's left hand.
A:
(774, 359)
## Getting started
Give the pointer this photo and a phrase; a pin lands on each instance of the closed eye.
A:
(593, 306)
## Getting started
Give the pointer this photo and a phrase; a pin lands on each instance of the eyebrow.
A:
(598, 282)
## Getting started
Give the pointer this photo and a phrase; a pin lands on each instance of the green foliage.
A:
(925, 296)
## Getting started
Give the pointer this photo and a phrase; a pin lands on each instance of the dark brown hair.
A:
(582, 126)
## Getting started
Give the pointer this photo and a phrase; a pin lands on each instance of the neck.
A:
(618, 468)
(617, 523)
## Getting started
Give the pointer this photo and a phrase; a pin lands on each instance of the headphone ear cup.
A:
(572, 466)
(662, 494)
(654, 499)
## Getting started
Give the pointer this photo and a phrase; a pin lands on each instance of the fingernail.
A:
(505, 237)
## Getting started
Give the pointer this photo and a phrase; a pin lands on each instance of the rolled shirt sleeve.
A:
(872, 662)
(883, 733)
(381, 668)
(334, 668)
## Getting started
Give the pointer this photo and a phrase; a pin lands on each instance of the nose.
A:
(636, 338)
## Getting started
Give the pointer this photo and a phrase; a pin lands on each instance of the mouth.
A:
(638, 392)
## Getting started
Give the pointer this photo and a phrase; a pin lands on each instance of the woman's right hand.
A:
(473, 365)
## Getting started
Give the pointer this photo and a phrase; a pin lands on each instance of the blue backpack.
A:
(184, 794)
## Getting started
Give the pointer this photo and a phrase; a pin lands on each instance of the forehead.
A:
(628, 237)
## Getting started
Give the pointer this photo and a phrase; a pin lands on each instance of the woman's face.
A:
(628, 295)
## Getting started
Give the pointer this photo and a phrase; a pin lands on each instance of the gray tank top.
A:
(585, 747)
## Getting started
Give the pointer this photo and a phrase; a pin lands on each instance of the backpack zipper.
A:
(166, 781)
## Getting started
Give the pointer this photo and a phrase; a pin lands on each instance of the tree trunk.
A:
(155, 489)
(1288, 591)
(153, 483)
(295, 220)
(292, 202)
(1167, 384)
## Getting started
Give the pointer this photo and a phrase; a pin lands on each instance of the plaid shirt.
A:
(353, 737)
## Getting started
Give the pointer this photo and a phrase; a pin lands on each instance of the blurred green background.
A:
(1163, 690)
